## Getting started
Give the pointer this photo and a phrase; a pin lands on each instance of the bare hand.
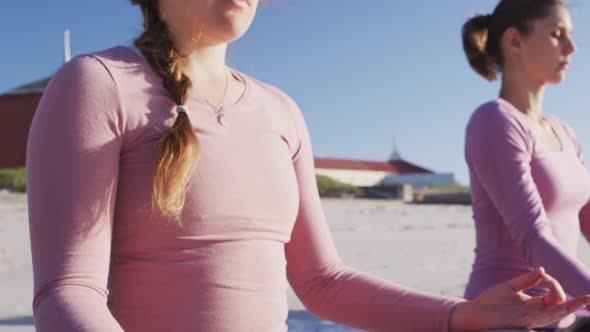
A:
(506, 306)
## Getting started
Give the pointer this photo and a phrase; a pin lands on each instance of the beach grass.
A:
(329, 187)
(13, 179)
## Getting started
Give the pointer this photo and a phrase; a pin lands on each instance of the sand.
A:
(426, 247)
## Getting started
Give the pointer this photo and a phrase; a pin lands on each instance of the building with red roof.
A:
(17, 107)
(366, 173)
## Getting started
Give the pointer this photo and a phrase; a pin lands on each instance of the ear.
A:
(512, 41)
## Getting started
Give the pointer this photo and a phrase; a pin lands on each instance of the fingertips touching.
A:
(556, 294)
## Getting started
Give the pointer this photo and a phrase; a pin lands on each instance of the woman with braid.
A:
(528, 178)
(168, 192)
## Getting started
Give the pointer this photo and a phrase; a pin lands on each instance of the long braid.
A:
(179, 147)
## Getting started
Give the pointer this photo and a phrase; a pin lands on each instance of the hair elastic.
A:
(182, 109)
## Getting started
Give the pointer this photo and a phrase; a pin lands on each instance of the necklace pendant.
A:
(221, 119)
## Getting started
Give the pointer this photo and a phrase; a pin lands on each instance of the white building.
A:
(396, 171)
(419, 181)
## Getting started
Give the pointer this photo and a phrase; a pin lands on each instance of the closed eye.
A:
(556, 34)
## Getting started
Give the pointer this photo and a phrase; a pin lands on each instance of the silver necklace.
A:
(218, 109)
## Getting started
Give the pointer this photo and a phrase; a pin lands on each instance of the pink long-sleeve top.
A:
(252, 220)
(529, 201)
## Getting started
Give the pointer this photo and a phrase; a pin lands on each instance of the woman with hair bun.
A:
(528, 179)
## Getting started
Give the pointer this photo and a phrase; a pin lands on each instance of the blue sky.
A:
(361, 71)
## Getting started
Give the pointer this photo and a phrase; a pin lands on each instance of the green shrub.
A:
(329, 187)
(13, 179)
(450, 187)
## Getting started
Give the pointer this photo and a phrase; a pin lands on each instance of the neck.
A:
(205, 64)
(522, 92)
(202, 62)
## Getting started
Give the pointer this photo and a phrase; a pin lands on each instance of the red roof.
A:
(31, 88)
(16, 114)
(393, 166)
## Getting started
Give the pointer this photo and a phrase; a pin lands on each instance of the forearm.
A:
(73, 308)
(541, 250)
(371, 304)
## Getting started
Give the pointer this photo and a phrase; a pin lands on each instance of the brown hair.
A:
(482, 34)
(179, 147)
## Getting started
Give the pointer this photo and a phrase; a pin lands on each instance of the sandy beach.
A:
(426, 247)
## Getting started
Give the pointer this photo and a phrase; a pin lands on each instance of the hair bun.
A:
(475, 37)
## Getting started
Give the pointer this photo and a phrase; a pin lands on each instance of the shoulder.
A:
(94, 69)
(496, 111)
(119, 57)
(497, 117)
(284, 109)
(269, 91)
(111, 64)
(270, 94)
(497, 126)
(82, 89)
(555, 120)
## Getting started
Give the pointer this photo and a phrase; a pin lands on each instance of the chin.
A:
(234, 28)
(558, 78)
(232, 35)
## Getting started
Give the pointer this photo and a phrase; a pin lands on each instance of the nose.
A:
(570, 46)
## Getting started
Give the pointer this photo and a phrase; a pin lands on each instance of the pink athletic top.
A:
(252, 218)
(527, 200)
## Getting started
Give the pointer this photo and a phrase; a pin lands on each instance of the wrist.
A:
(464, 317)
